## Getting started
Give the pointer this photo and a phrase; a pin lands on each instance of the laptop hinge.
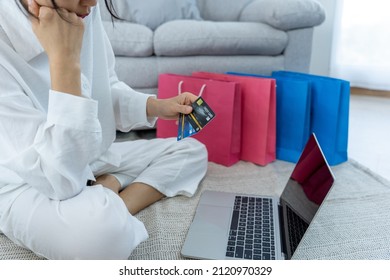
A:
(282, 231)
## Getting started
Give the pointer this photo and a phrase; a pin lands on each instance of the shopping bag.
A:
(329, 113)
(222, 136)
(293, 101)
(258, 131)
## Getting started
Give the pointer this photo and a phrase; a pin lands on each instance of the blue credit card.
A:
(185, 128)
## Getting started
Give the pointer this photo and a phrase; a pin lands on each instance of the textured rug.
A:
(353, 223)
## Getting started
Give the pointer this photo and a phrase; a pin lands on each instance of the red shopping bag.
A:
(258, 131)
(222, 136)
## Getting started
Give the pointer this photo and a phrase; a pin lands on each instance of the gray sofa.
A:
(183, 36)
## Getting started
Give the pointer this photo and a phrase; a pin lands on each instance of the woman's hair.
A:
(109, 5)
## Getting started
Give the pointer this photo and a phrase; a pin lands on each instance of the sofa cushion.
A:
(188, 37)
(221, 10)
(129, 39)
(153, 13)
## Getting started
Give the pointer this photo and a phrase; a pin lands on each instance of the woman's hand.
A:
(60, 33)
(171, 107)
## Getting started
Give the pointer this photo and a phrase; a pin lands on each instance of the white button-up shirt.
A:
(48, 139)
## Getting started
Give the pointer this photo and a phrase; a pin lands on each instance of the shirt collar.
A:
(20, 34)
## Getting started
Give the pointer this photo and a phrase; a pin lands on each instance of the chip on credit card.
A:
(192, 123)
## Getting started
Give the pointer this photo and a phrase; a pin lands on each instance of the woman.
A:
(60, 106)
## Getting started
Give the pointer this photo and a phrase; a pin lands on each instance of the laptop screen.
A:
(306, 189)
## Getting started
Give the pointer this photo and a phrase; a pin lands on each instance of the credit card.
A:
(192, 123)
(201, 114)
(185, 128)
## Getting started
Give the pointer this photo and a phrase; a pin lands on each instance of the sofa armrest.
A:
(285, 14)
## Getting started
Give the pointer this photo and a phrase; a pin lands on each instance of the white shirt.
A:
(49, 139)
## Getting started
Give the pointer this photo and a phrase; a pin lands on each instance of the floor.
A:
(369, 132)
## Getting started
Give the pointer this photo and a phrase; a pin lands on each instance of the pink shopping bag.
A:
(222, 136)
(258, 131)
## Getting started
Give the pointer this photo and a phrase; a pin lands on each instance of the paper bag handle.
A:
(200, 92)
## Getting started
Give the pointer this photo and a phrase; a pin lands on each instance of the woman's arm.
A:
(171, 107)
(60, 34)
(49, 152)
(134, 109)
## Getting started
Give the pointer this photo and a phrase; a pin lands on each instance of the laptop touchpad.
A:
(208, 233)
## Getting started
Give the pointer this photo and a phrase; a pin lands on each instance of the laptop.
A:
(239, 226)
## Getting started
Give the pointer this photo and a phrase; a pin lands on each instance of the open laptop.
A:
(239, 226)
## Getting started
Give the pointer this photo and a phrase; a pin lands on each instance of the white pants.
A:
(96, 223)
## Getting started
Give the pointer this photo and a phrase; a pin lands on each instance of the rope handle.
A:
(200, 92)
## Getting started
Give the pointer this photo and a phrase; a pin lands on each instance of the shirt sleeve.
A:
(129, 105)
(51, 152)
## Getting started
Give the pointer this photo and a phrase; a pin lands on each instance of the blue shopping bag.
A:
(293, 105)
(329, 112)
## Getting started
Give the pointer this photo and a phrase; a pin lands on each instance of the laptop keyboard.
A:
(296, 228)
(251, 233)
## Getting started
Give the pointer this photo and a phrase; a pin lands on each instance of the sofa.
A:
(183, 36)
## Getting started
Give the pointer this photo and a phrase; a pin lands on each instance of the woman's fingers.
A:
(33, 8)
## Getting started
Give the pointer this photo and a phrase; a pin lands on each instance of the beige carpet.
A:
(354, 222)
